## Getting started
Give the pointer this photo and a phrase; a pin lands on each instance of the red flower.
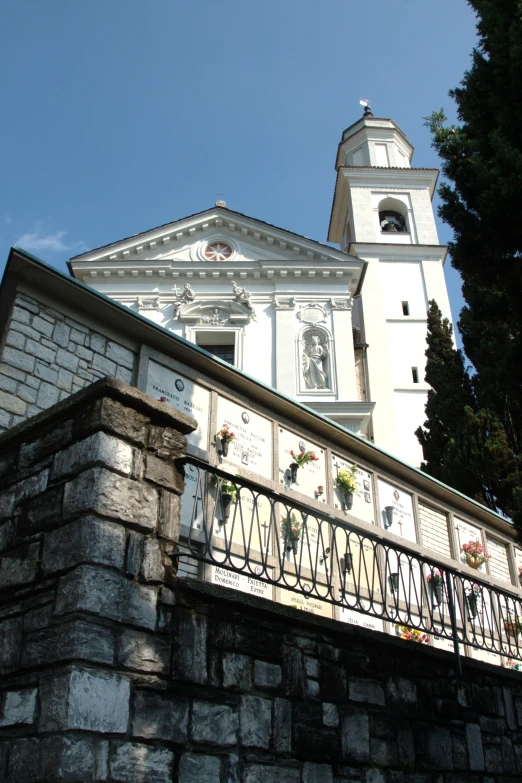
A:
(291, 452)
(163, 399)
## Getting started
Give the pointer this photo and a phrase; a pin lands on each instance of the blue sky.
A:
(123, 115)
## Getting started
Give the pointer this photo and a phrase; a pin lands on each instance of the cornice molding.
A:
(391, 252)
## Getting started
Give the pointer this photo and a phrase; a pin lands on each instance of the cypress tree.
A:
(482, 202)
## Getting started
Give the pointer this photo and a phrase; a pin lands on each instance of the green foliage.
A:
(477, 449)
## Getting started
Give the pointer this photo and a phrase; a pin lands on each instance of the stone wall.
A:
(46, 356)
(113, 669)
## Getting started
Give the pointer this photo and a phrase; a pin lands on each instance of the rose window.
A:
(218, 251)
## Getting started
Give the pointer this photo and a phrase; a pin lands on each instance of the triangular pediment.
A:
(243, 239)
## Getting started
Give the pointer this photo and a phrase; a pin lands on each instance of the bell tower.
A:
(382, 212)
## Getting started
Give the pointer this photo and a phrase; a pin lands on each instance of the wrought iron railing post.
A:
(454, 630)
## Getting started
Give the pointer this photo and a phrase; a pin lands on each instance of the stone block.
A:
(124, 375)
(10, 644)
(108, 594)
(27, 393)
(19, 566)
(45, 373)
(51, 758)
(18, 359)
(103, 365)
(401, 689)
(383, 752)
(97, 449)
(31, 486)
(85, 700)
(11, 372)
(61, 334)
(119, 354)
(98, 343)
(12, 404)
(77, 337)
(131, 762)
(166, 442)
(493, 759)
(72, 640)
(111, 416)
(7, 504)
(113, 496)
(86, 540)
(475, 749)
(263, 773)
(45, 327)
(237, 671)
(283, 725)
(255, 720)
(48, 395)
(160, 716)
(65, 379)
(163, 473)
(355, 737)
(83, 353)
(69, 361)
(267, 675)
(376, 776)
(169, 516)
(40, 351)
(191, 654)
(134, 553)
(43, 511)
(18, 707)
(369, 691)
(312, 667)
(152, 565)
(317, 773)
(312, 688)
(36, 450)
(293, 671)
(199, 768)
(330, 715)
(216, 724)
(20, 315)
(143, 652)
(8, 384)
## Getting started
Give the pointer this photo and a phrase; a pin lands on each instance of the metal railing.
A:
(235, 524)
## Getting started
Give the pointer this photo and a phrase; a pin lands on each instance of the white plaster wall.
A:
(435, 283)
(403, 281)
(407, 343)
(409, 413)
(363, 226)
(424, 217)
(258, 344)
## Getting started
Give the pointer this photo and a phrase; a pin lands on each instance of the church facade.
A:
(340, 330)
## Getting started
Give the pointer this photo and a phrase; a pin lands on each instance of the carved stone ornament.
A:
(313, 313)
(341, 304)
(215, 313)
(284, 304)
(148, 304)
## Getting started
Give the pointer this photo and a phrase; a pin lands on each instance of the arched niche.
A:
(393, 216)
(315, 360)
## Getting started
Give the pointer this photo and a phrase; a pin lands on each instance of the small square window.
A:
(405, 308)
(415, 374)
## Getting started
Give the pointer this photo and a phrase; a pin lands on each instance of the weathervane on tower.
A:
(367, 110)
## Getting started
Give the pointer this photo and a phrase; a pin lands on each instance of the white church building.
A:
(342, 331)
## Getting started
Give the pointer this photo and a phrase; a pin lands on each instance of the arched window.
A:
(392, 216)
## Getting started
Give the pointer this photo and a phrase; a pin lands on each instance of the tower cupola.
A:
(374, 142)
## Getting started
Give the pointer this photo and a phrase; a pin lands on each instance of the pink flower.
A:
(163, 399)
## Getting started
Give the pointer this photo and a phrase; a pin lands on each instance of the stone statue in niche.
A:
(314, 356)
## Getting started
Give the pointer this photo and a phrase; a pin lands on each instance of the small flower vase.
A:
(389, 511)
(472, 601)
(436, 592)
(224, 446)
(294, 467)
(347, 500)
(293, 546)
(226, 503)
(473, 561)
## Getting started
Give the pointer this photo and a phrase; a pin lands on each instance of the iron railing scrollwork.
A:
(237, 525)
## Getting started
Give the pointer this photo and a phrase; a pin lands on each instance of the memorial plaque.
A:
(247, 524)
(362, 507)
(465, 534)
(486, 656)
(361, 620)
(252, 446)
(396, 511)
(184, 395)
(360, 567)
(312, 550)
(310, 478)
(443, 643)
(306, 603)
(192, 508)
(241, 582)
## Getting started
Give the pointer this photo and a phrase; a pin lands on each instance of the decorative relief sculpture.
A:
(312, 313)
(242, 297)
(148, 304)
(341, 304)
(284, 304)
(314, 356)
